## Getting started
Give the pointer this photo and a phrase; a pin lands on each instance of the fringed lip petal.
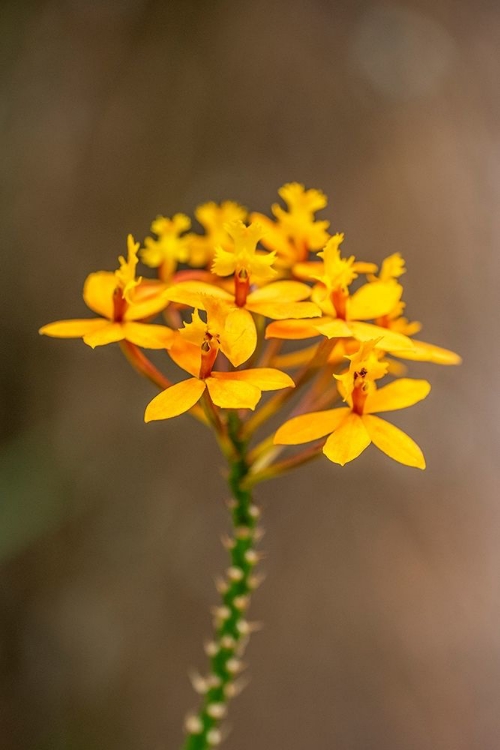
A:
(175, 400)
(348, 441)
(148, 336)
(393, 441)
(310, 426)
(397, 395)
(73, 329)
(233, 394)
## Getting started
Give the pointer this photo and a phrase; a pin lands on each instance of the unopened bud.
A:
(214, 681)
(199, 683)
(243, 627)
(252, 557)
(227, 641)
(211, 648)
(234, 666)
(216, 710)
(193, 724)
(214, 737)
(241, 602)
(234, 573)
(232, 689)
(221, 613)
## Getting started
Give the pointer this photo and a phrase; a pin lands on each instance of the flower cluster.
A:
(250, 304)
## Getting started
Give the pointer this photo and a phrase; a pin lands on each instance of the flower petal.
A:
(308, 269)
(390, 340)
(233, 394)
(148, 336)
(291, 329)
(145, 308)
(98, 292)
(311, 426)
(193, 293)
(108, 335)
(348, 441)
(239, 339)
(394, 442)
(186, 355)
(264, 378)
(175, 400)
(397, 395)
(73, 329)
(374, 300)
(423, 352)
(281, 291)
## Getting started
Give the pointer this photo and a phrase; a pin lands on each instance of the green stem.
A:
(230, 626)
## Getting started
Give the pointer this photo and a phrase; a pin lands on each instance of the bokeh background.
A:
(381, 604)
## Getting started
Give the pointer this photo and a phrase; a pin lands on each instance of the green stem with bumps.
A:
(231, 627)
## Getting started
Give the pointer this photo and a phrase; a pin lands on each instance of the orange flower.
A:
(296, 230)
(345, 314)
(123, 301)
(351, 429)
(196, 352)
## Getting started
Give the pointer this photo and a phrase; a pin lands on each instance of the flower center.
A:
(119, 305)
(209, 351)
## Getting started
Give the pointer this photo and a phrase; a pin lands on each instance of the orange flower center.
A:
(360, 391)
(339, 299)
(119, 305)
(209, 351)
(241, 287)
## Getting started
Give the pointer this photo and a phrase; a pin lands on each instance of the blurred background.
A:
(381, 605)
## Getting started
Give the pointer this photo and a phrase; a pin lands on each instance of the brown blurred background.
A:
(381, 605)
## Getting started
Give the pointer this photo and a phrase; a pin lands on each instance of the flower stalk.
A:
(231, 628)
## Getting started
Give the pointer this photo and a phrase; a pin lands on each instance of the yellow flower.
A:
(122, 300)
(296, 230)
(171, 247)
(226, 329)
(243, 259)
(213, 218)
(278, 300)
(392, 268)
(196, 352)
(345, 314)
(351, 429)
